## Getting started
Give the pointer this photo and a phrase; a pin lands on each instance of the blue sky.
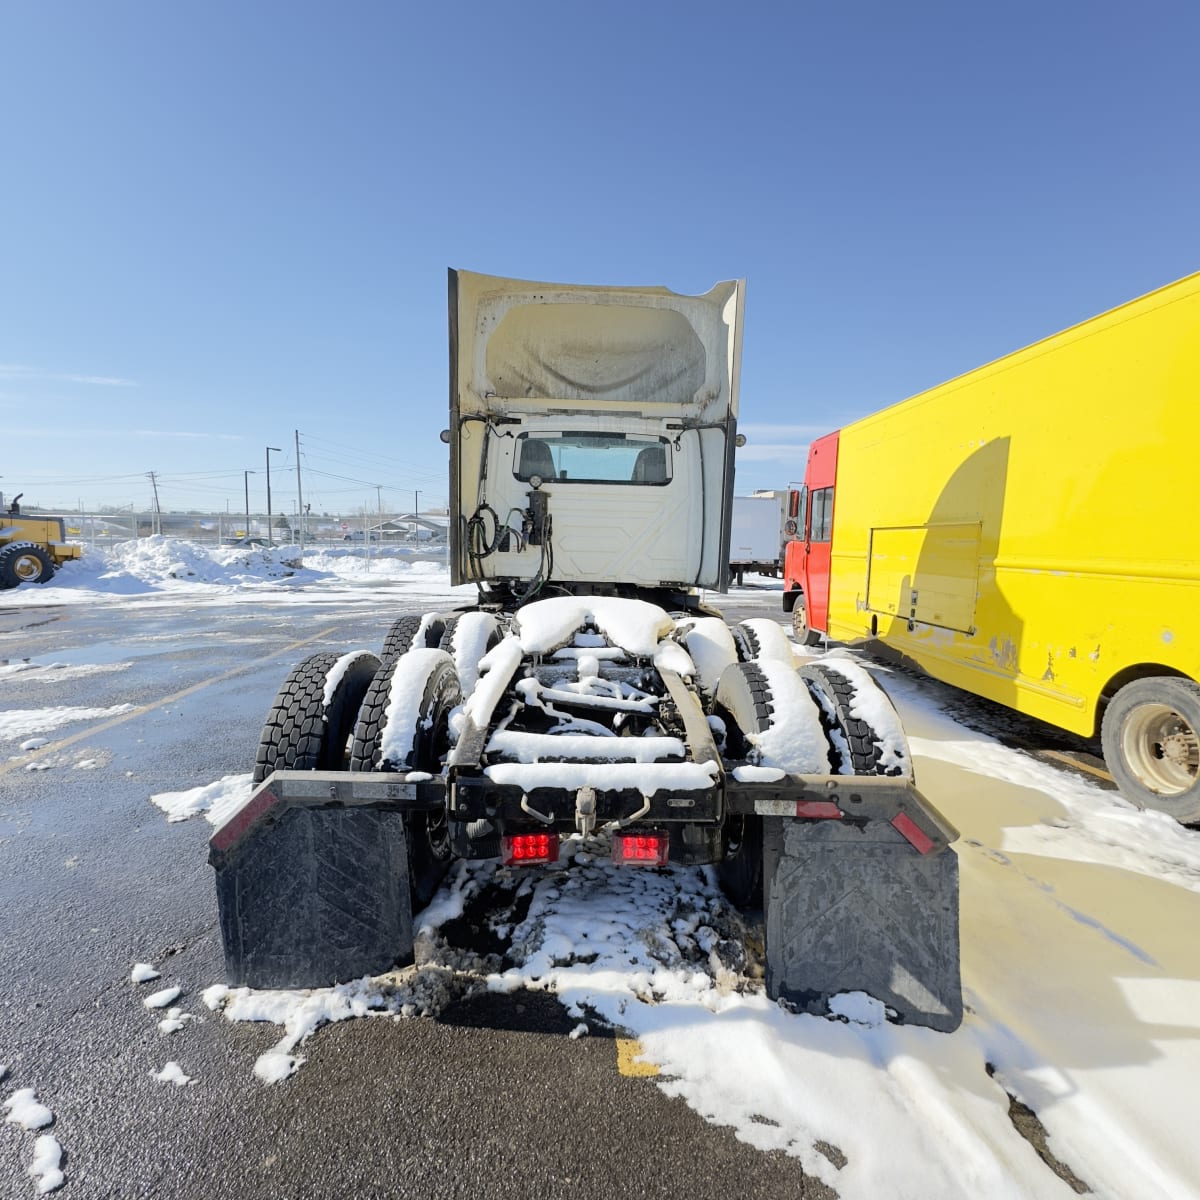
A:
(221, 223)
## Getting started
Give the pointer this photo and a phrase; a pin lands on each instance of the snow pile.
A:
(172, 1072)
(215, 800)
(163, 998)
(56, 672)
(773, 643)
(160, 559)
(158, 565)
(469, 644)
(47, 1155)
(25, 1110)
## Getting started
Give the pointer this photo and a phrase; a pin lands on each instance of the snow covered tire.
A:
(856, 747)
(430, 676)
(746, 641)
(745, 703)
(409, 630)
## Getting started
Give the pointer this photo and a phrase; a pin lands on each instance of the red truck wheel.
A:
(804, 635)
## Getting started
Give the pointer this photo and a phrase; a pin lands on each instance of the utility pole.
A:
(299, 498)
(153, 477)
(416, 512)
(270, 530)
(246, 481)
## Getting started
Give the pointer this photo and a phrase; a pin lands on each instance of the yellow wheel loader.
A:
(31, 548)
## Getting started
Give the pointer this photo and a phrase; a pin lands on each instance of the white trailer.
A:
(757, 534)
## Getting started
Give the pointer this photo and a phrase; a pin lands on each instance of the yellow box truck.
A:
(1030, 532)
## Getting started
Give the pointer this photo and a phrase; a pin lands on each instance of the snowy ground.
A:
(156, 568)
(1081, 960)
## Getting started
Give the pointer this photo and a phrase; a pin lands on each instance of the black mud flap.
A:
(317, 896)
(856, 908)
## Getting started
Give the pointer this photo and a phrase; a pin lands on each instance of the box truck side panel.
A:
(1062, 480)
(925, 573)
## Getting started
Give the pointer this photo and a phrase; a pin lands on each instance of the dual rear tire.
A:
(746, 704)
(331, 717)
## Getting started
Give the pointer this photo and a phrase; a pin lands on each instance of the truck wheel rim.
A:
(1162, 749)
(27, 568)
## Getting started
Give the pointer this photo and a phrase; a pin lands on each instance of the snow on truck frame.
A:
(590, 693)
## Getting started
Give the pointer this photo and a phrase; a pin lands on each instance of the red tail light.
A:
(641, 849)
(526, 848)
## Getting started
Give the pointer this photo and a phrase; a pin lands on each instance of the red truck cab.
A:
(806, 562)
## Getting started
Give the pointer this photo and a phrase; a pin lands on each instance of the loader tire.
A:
(428, 675)
(803, 634)
(303, 732)
(1150, 734)
(856, 747)
(403, 635)
(24, 562)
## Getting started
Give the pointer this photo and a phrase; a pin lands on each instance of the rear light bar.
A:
(641, 849)
(522, 849)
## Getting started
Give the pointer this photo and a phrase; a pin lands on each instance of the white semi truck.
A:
(589, 693)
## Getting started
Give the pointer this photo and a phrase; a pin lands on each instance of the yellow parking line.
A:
(1070, 761)
(28, 756)
(628, 1061)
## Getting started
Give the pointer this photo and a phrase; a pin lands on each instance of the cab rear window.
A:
(593, 458)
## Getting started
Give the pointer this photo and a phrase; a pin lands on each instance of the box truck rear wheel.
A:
(413, 734)
(1151, 740)
(307, 731)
